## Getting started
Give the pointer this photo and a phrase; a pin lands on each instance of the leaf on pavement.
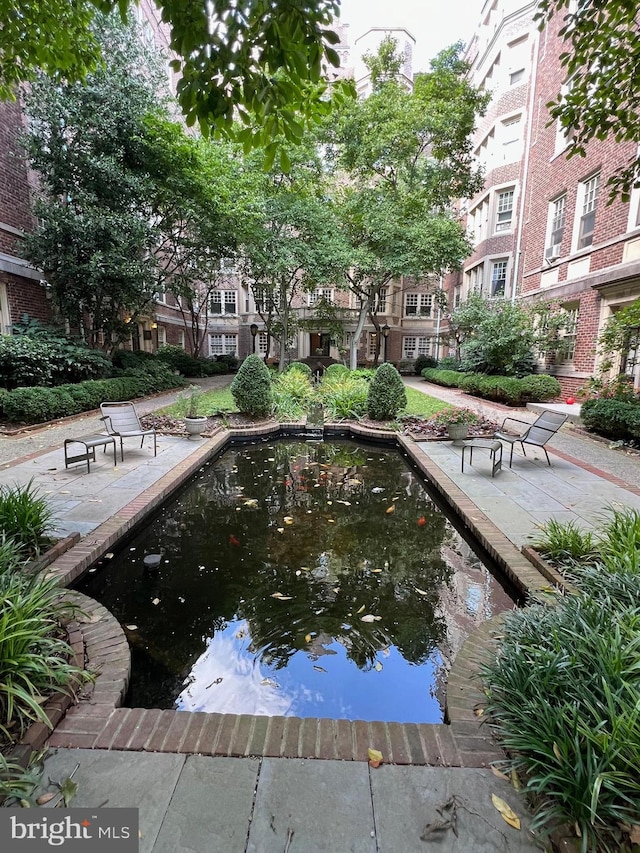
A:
(506, 811)
(499, 774)
(375, 757)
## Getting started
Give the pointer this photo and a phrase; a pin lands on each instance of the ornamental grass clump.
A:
(251, 387)
(565, 543)
(386, 394)
(26, 517)
(343, 393)
(563, 700)
(34, 655)
(292, 394)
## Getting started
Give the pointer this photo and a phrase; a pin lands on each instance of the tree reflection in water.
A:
(307, 578)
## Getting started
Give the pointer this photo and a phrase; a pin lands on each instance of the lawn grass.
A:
(221, 400)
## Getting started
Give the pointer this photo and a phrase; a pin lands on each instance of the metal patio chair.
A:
(121, 421)
(537, 434)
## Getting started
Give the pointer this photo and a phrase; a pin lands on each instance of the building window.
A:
(412, 347)
(181, 338)
(373, 342)
(504, 210)
(475, 279)
(380, 304)
(321, 293)
(587, 204)
(568, 334)
(223, 344)
(556, 227)
(516, 77)
(262, 343)
(224, 302)
(498, 277)
(418, 304)
(457, 296)
(511, 138)
(161, 332)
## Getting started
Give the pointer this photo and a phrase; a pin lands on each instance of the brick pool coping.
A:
(97, 720)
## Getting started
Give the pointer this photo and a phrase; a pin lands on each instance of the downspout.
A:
(525, 167)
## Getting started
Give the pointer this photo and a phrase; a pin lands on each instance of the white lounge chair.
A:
(121, 421)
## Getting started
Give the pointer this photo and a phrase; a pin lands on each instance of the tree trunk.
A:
(353, 356)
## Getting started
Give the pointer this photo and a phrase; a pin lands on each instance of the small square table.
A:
(492, 445)
(90, 443)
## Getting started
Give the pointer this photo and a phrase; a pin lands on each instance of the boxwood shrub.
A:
(537, 388)
(38, 405)
(251, 388)
(617, 419)
(448, 378)
(386, 394)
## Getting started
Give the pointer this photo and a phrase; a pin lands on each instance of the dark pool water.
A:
(298, 578)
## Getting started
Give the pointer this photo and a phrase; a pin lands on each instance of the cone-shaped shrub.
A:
(386, 394)
(251, 387)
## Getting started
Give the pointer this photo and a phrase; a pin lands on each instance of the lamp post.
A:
(385, 334)
(253, 328)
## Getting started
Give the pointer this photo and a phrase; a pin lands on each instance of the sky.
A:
(435, 24)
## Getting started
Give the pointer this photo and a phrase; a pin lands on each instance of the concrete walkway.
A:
(214, 803)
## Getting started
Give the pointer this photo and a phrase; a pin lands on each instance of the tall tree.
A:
(403, 158)
(266, 60)
(95, 237)
(600, 100)
(294, 244)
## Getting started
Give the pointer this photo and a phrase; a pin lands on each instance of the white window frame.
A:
(161, 333)
(371, 344)
(181, 339)
(556, 221)
(223, 344)
(319, 293)
(501, 264)
(228, 301)
(505, 205)
(261, 343)
(421, 304)
(586, 209)
(380, 306)
(569, 333)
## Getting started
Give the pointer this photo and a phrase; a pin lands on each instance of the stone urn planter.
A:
(195, 427)
(458, 432)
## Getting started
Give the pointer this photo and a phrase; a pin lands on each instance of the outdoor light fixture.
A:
(253, 328)
(385, 334)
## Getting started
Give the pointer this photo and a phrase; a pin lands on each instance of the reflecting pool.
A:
(298, 578)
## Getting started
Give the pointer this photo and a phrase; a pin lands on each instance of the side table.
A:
(90, 443)
(492, 445)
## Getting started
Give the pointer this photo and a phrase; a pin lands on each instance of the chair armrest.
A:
(515, 420)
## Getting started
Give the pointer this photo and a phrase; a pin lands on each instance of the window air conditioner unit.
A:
(552, 253)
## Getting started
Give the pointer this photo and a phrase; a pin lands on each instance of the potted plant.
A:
(193, 422)
(457, 422)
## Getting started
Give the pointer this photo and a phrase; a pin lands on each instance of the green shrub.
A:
(209, 367)
(449, 362)
(423, 361)
(292, 394)
(563, 700)
(335, 370)
(471, 383)
(300, 367)
(619, 542)
(540, 388)
(33, 657)
(229, 360)
(25, 517)
(344, 393)
(24, 362)
(448, 378)
(251, 387)
(386, 394)
(125, 359)
(179, 360)
(613, 418)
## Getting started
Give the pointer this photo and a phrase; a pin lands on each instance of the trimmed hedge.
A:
(536, 388)
(386, 394)
(251, 388)
(38, 405)
(448, 378)
(617, 419)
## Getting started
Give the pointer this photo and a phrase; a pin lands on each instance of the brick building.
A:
(541, 227)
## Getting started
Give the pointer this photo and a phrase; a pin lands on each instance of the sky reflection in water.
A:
(299, 578)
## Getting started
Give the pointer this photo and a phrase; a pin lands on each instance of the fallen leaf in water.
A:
(281, 597)
(331, 521)
(131, 627)
(156, 601)
(298, 573)
(307, 638)
(345, 503)
(386, 652)
(370, 618)
(270, 682)
(375, 757)
(251, 503)
(288, 519)
(108, 556)
(329, 503)
(506, 811)
(305, 568)
(336, 589)
(376, 571)
(376, 490)
(421, 591)
(280, 529)
(319, 669)
(241, 634)
(377, 666)
(361, 610)
(390, 510)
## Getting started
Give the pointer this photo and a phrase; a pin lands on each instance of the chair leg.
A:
(121, 450)
(511, 455)
(155, 445)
